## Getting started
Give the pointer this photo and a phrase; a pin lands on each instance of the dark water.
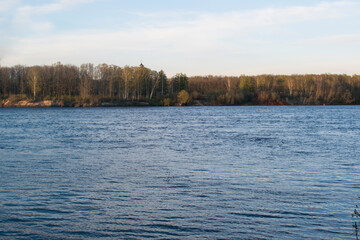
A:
(184, 173)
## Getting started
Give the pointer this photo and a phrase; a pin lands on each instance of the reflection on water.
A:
(214, 172)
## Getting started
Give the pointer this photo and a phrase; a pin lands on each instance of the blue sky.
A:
(197, 37)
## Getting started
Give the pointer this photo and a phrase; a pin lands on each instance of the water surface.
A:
(179, 173)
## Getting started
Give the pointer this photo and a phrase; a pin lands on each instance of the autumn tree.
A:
(183, 97)
(247, 84)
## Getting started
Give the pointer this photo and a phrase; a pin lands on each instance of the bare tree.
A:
(34, 78)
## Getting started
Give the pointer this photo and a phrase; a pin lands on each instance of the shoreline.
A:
(60, 104)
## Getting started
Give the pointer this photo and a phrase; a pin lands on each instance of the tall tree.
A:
(154, 82)
(247, 84)
(127, 74)
(163, 82)
(86, 77)
(34, 79)
(179, 82)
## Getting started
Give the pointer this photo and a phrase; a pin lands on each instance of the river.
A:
(179, 173)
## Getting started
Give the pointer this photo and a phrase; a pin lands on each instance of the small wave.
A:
(174, 227)
(255, 215)
(48, 210)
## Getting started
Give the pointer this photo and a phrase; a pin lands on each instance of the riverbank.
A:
(21, 103)
(7, 103)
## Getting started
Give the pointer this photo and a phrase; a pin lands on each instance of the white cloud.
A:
(211, 38)
(6, 5)
(339, 39)
(270, 17)
(30, 10)
(26, 14)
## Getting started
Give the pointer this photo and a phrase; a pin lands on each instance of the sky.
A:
(195, 37)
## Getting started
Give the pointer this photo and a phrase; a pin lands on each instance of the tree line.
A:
(307, 89)
(92, 85)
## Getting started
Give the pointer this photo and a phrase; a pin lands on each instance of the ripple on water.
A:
(179, 173)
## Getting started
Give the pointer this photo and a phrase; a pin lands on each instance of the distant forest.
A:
(110, 85)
